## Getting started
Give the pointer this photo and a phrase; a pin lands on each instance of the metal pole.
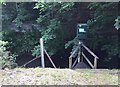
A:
(42, 53)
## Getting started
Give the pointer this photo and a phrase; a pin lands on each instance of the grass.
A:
(49, 76)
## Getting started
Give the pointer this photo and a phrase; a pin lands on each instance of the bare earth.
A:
(49, 76)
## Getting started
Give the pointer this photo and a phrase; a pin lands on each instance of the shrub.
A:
(6, 58)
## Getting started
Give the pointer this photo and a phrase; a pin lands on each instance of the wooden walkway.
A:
(81, 65)
(81, 57)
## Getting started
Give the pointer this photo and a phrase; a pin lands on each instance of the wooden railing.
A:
(42, 49)
(95, 57)
(82, 56)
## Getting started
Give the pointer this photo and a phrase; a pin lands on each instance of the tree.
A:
(19, 27)
(102, 37)
(102, 33)
(58, 23)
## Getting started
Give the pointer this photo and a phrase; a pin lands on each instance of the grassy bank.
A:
(49, 76)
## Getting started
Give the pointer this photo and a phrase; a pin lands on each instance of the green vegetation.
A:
(19, 30)
(117, 24)
(101, 28)
(25, 23)
(6, 58)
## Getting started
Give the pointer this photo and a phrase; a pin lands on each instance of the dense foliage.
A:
(19, 28)
(102, 37)
(25, 23)
(55, 21)
(58, 23)
(102, 33)
(6, 58)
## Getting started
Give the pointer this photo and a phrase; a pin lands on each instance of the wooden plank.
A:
(50, 59)
(90, 51)
(88, 60)
(42, 53)
(30, 61)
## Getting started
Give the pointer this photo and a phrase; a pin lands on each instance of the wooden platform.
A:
(81, 65)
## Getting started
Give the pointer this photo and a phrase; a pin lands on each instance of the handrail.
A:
(77, 59)
(30, 61)
(49, 58)
(90, 51)
(74, 63)
(94, 66)
(88, 60)
(70, 57)
(39, 57)
(73, 52)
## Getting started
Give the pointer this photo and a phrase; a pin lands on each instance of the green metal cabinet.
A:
(81, 31)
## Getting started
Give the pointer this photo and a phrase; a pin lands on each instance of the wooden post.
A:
(95, 63)
(79, 56)
(42, 53)
(70, 62)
